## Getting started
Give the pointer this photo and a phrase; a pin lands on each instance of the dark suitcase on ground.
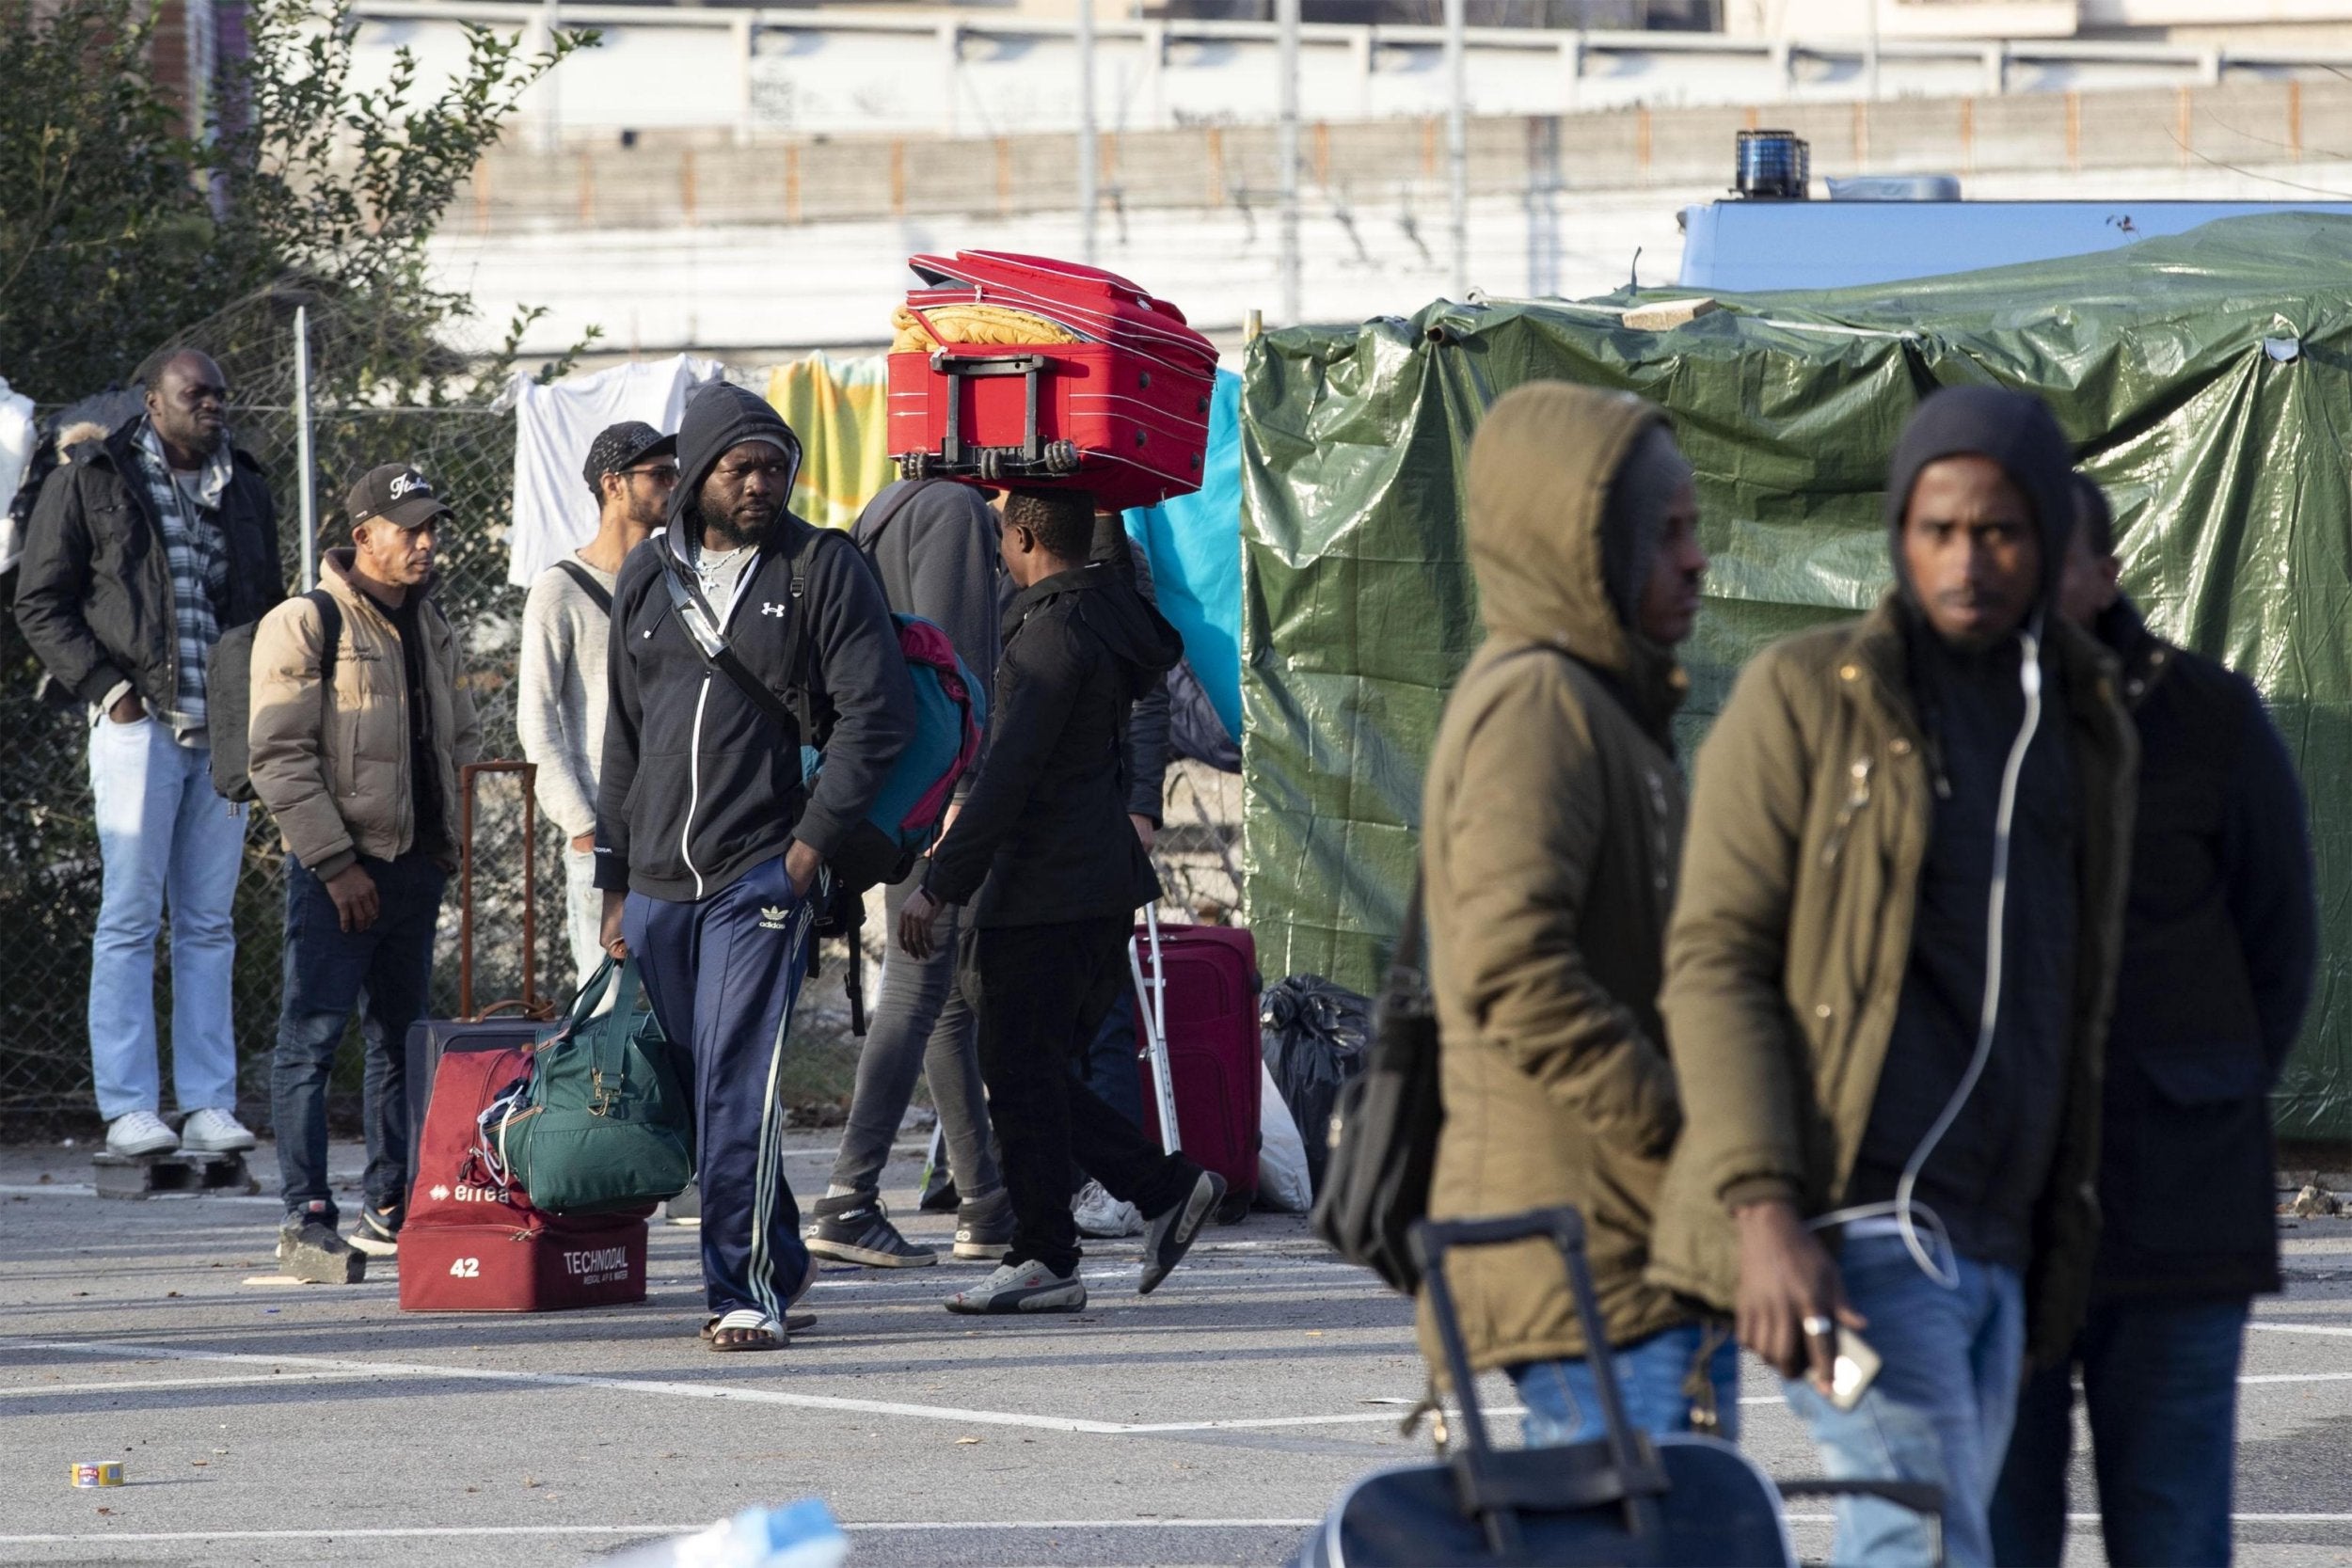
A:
(518, 1021)
(1207, 1015)
(1624, 1498)
(1124, 413)
(473, 1243)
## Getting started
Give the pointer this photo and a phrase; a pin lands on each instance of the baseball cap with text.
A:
(397, 494)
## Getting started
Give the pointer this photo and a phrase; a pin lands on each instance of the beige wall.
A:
(2275, 23)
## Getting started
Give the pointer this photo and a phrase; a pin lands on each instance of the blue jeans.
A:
(2160, 1389)
(163, 835)
(387, 972)
(724, 973)
(1562, 1405)
(1939, 1412)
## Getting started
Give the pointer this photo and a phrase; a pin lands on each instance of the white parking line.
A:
(313, 1366)
(441, 1531)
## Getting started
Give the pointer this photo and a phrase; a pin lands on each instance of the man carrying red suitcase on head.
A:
(1045, 829)
(709, 845)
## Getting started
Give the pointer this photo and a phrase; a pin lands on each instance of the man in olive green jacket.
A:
(1551, 820)
(1889, 979)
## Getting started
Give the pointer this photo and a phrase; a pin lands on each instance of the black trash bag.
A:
(1315, 1036)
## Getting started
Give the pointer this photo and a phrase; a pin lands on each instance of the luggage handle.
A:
(530, 1004)
(1152, 1011)
(956, 367)
(1483, 1477)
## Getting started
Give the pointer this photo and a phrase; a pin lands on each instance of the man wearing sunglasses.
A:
(631, 467)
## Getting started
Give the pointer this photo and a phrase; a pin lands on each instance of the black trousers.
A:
(1040, 993)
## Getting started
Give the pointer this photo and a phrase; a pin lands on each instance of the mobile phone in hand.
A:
(1856, 1368)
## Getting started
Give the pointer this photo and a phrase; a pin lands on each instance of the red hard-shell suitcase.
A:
(1123, 413)
(1209, 1009)
(472, 1243)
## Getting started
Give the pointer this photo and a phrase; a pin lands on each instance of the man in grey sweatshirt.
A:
(566, 626)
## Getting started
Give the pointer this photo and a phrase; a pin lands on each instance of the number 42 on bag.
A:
(466, 1268)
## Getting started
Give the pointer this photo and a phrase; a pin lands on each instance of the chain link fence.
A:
(49, 864)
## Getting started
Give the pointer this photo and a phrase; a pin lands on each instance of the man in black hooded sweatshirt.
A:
(709, 845)
(2219, 944)
(1887, 981)
(1045, 847)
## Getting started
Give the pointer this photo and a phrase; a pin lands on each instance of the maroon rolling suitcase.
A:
(1122, 412)
(1197, 1045)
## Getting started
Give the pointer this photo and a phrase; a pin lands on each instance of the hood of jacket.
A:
(2015, 430)
(719, 416)
(1130, 625)
(1540, 471)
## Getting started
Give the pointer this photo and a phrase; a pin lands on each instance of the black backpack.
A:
(229, 693)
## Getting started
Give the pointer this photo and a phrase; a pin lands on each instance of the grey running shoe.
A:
(1172, 1232)
(1021, 1288)
(1103, 1217)
(857, 1229)
(309, 1250)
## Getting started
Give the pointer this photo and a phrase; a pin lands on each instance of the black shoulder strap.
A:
(588, 584)
(702, 628)
(330, 636)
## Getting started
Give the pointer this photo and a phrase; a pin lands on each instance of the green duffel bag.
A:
(605, 1120)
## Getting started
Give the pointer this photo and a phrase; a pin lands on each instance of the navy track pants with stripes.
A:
(723, 973)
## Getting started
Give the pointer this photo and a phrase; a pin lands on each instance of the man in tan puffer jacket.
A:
(1551, 822)
(361, 778)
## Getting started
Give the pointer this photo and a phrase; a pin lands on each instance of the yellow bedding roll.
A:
(992, 325)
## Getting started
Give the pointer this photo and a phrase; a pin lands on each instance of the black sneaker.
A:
(376, 1231)
(857, 1229)
(984, 1229)
(1172, 1232)
(939, 1193)
(309, 1249)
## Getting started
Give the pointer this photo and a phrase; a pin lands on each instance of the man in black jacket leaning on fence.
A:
(710, 848)
(2220, 937)
(1045, 829)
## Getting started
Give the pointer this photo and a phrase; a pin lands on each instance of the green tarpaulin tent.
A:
(2205, 380)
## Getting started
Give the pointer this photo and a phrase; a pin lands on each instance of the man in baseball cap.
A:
(397, 494)
(369, 844)
(631, 448)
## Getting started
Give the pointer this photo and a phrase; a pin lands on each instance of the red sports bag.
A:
(1123, 413)
(1209, 1005)
(473, 1243)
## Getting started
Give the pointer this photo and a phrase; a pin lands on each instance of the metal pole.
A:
(306, 483)
(1286, 149)
(1871, 56)
(1457, 144)
(1089, 155)
(551, 105)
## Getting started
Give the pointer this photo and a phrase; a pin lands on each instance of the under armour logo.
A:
(768, 607)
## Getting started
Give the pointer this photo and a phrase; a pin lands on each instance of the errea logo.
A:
(773, 917)
(439, 1194)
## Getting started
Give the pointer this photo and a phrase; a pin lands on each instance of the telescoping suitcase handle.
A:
(1492, 1485)
(1151, 1010)
(531, 1003)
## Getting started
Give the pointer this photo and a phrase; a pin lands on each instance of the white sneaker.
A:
(140, 1132)
(213, 1131)
(1101, 1215)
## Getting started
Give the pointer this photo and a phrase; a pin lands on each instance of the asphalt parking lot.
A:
(264, 1422)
